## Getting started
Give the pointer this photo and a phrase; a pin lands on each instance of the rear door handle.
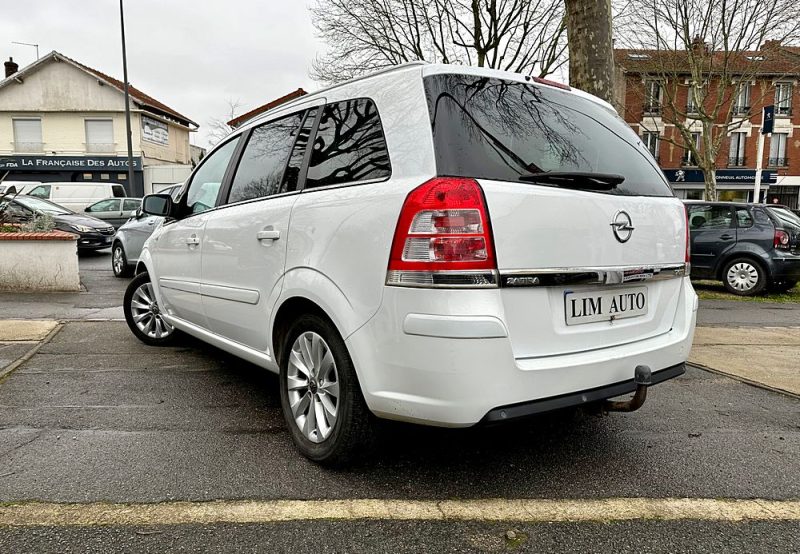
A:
(268, 234)
(192, 241)
(726, 237)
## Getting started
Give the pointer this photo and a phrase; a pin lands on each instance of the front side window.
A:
(777, 150)
(702, 217)
(349, 146)
(27, 134)
(207, 180)
(783, 98)
(99, 135)
(131, 204)
(260, 171)
(110, 205)
(42, 191)
(736, 150)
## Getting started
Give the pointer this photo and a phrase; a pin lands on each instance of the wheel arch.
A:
(746, 254)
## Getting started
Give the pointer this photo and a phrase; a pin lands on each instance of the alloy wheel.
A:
(119, 264)
(147, 315)
(313, 386)
(742, 276)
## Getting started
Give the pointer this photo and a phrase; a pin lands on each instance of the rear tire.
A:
(143, 314)
(119, 261)
(321, 398)
(744, 277)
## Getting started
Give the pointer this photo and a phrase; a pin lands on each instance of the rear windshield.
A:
(786, 216)
(497, 129)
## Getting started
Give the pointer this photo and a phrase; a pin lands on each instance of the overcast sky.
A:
(191, 55)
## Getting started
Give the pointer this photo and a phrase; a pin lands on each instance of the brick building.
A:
(654, 90)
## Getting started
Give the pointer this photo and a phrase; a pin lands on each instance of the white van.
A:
(76, 196)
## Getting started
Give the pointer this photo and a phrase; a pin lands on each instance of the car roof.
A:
(723, 203)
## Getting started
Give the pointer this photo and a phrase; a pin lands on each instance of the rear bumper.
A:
(786, 268)
(456, 370)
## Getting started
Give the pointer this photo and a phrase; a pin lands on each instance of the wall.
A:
(160, 175)
(39, 265)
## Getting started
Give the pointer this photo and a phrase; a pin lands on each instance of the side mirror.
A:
(158, 204)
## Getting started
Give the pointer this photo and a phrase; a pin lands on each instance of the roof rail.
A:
(306, 97)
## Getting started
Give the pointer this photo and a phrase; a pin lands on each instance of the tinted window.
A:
(119, 191)
(131, 204)
(349, 146)
(292, 173)
(497, 129)
(743, 217)
(709, 217)
(203, 190)
(785, 216)
(105, 206)
(42, 191)
(260, 170)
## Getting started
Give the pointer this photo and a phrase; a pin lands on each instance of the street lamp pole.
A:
(131, 183)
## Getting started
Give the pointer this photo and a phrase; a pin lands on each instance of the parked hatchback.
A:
(114, 210)
(749, 247)
(434, 244)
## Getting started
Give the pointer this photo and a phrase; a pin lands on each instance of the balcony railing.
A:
(652, 109)
(736, 161)
(29, 147)
(741, 110)
(778, 162)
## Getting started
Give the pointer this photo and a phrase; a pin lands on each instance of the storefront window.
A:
(732, 195)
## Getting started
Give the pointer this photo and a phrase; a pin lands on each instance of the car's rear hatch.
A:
(584, 264)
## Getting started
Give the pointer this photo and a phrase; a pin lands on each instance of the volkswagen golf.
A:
(435, 244)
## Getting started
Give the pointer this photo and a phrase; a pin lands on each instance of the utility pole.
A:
(131, 184)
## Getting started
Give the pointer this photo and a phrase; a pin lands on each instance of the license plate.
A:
(107, 240)
(604, 305)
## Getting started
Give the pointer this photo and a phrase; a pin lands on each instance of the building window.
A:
(652, 97)
(777, 150)
(650, 140)
(99, 135)
(736, 152)
(691, 102)
(27, 134)
(742, 104)
(783, 98)
(688, 157)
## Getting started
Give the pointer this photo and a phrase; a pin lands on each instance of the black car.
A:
(749, 247)
(93, 233)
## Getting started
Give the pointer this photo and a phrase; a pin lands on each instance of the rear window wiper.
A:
(575, 179)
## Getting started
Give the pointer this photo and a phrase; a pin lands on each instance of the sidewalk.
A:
(768, 356)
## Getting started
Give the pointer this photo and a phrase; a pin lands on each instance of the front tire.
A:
(119, 261)
(143, 314)
(320, 395)
(744, 277)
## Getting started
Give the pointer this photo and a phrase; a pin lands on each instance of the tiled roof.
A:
(236, 121)
(780, 60)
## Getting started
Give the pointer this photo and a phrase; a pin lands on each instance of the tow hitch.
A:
(642, 377)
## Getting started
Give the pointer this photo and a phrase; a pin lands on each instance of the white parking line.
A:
(516, 510)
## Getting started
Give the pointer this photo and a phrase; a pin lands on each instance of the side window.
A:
(109, 205)
(710, 217)
(349, 146)
(131, 204)
(119, 191)
(260, 170)
(42, 191)
(203, 190)
(292, 173)
(762, 218)
(743, 218)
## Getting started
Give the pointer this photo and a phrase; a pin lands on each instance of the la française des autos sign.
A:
(67, 163)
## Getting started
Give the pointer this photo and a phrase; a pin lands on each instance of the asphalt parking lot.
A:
(95, 417)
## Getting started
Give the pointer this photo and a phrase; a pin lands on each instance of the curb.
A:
(9, 369)
(744, 380)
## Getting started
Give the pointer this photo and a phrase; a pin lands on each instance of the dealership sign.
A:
(724, 176)
(67, 163)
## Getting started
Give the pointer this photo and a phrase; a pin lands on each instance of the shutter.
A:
(99, 132)
(28, 131)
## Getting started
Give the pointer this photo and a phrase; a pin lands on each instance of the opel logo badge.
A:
(622, 227)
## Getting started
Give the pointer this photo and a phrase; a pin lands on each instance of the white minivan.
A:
(435, 244)
(75, 196)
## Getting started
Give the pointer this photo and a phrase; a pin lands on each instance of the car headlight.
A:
(82, 228)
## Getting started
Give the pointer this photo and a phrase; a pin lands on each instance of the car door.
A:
(713, 233)
(109, 210)
(245, 242)
(176, 247)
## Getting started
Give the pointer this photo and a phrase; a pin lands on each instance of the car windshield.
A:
(44, 206)
(786, 216)
(515, 131)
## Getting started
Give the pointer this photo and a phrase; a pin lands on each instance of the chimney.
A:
(699, 46)
(771, 45)
(11, 67)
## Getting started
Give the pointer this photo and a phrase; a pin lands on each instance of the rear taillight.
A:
(443, 237)
(781, 239)
(688, 255)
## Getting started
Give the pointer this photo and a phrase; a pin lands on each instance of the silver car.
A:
(130, 237)
(115, 211)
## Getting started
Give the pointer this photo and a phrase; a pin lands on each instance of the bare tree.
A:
(705, 56)
(526, 36)
(591, 56)
(218, 127)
